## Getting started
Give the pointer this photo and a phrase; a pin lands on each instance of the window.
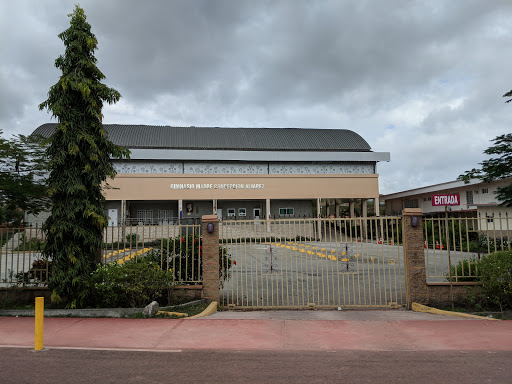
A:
(469, 197)
(286, 211)
(485, 190)
(242, 212)
(231, 212)
(144, 216)
(164, 216)
(411, 203)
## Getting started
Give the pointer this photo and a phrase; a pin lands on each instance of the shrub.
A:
(495, 271)
(39, 274)
(132, 239)
(465, 270)
(131, 284)
(184, 258)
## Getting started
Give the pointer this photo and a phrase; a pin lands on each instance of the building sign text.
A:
(438, 200)
(217, 186)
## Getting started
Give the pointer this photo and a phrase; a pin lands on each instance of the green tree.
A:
(22, 181)
(508, 94)
(79, 154)
(498, 167)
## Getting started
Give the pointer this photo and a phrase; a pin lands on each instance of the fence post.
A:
(414, 257)
(210, 255)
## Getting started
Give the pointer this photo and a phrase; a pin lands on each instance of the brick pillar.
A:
(414, 257)
(210, 258)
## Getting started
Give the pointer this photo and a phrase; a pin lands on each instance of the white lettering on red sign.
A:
(438, 200)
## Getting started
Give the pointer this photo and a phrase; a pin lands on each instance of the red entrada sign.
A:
(438, 200)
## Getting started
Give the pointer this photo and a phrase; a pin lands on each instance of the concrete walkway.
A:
(360, 330)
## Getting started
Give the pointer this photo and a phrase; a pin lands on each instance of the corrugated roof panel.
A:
(248, 139)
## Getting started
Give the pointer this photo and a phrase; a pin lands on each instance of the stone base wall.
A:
(25, 295)
(440, 295)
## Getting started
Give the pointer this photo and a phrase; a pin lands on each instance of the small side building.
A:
(477, 200)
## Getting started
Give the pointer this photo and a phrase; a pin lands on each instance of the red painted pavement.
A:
(262, 334)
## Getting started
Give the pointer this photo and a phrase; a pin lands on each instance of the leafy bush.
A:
(39, 274)
(184, 258)
(131, 284)
(132, 239)
(495, 271)
(465, 270)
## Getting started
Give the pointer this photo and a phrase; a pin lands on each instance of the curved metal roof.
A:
(216, 138)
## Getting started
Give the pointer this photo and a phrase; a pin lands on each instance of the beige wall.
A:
(157, 187)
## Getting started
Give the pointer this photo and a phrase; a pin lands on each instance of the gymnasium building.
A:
(237, 173)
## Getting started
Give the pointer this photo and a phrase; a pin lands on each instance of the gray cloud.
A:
(422, 80)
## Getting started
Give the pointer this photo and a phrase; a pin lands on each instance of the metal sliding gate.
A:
(305, 263)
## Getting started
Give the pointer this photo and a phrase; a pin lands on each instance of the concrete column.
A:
(123, 213)
(414, 258)
(351, 207)
(268, 217)
(327, 207)
(210, 258)
(376, 205)
(336, 208)
(364, 213)
(318, 221)
(215, 206)
(180, 209)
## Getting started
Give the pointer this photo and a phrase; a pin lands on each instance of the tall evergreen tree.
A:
(79, 154)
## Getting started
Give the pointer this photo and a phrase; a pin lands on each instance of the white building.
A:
(476, 199)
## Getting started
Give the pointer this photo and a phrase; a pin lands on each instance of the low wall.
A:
(24, 295)
(27, 295)
(440, 294)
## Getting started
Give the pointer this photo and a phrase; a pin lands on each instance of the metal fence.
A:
(174, 247)
(301, 263)
(454, 245)
(21, 261)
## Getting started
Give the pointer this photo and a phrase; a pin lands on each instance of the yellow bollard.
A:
(38, 345)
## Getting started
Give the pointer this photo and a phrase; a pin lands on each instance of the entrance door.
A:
(219, 214)
(112, 217)
(256, 213)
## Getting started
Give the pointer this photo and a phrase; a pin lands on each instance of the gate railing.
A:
(300, 263)
(174, 247)
(455, 245)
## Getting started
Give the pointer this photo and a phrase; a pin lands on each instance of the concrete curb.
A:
(416, 307)
(89, 312)
(212, 308)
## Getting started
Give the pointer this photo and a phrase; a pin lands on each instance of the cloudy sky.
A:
(421, 79)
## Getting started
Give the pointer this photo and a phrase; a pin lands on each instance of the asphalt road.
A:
(87, 366)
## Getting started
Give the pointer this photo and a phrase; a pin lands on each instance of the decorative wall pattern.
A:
(233, 168)
(149, 167)
(216, 168)
(322, 169)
